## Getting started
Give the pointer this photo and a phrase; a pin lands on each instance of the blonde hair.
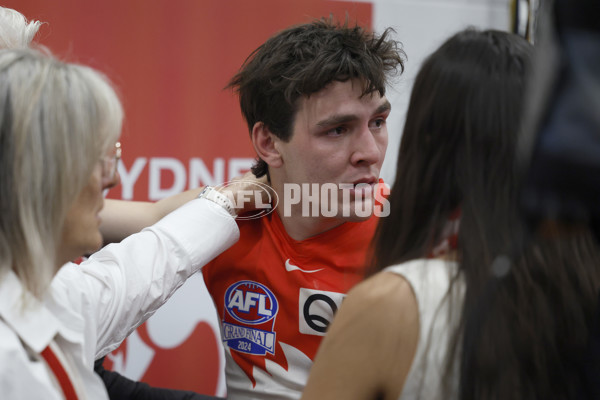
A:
(15, 31)
(56, 121)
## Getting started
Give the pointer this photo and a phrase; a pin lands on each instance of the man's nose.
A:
(369, 148)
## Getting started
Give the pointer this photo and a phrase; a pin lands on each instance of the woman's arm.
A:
(369, 347)
(121, 218)
(121, 285)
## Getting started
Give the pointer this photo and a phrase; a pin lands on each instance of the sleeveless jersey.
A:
(275, 297)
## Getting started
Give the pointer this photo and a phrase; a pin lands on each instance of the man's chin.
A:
(357, 211)
(357, 218)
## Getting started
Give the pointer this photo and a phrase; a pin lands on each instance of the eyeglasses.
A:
(109, 163)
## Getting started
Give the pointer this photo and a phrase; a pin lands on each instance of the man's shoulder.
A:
(253, 229)
(252, 233)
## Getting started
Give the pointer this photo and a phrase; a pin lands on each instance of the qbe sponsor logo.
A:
(249, 317)
(317, 309)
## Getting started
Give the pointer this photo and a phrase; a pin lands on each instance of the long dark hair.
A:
(522, 325)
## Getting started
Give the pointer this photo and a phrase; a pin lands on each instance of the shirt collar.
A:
(25, 314)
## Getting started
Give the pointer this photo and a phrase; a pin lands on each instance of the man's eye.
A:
(338, 130)
(378, 123)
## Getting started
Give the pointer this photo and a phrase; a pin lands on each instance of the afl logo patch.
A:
(250, 302)
(250, 310)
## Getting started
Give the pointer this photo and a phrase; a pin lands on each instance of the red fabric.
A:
(60, 373)
(260, 256)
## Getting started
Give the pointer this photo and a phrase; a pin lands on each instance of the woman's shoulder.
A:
(381, 289)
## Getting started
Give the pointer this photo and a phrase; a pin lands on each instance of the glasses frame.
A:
(110, 163)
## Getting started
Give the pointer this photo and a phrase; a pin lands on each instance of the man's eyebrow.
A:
(337, 120)
(385, 107)
(344, 118)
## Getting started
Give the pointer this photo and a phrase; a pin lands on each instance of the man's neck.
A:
(300, 227)
(297, 223)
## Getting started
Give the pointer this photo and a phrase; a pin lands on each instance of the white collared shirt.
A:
(89, 309)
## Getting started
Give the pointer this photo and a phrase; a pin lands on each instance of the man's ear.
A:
(264, 144)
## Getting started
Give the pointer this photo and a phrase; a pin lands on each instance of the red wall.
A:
(171, 60)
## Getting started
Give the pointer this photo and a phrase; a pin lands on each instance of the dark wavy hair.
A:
(303, 60)
(524, 326)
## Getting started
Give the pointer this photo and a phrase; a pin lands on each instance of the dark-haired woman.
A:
(467, 303)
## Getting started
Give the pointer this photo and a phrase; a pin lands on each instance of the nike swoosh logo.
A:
(291, 267)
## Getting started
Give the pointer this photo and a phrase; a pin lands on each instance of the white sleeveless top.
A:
(439, 315)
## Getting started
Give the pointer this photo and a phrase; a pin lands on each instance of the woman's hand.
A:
(248, 193)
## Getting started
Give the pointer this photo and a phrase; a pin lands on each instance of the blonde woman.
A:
(59, 130)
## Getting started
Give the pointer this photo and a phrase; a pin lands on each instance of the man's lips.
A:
(363, 188)
(369, 180)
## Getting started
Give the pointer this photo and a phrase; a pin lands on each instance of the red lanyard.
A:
(60, 373)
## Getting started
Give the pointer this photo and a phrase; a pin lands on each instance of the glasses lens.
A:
(109, 163)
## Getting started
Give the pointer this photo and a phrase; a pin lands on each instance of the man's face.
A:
(338, 138)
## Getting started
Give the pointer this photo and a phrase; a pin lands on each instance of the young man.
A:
(313, 98)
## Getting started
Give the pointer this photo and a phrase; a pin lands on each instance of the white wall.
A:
(422, 26)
